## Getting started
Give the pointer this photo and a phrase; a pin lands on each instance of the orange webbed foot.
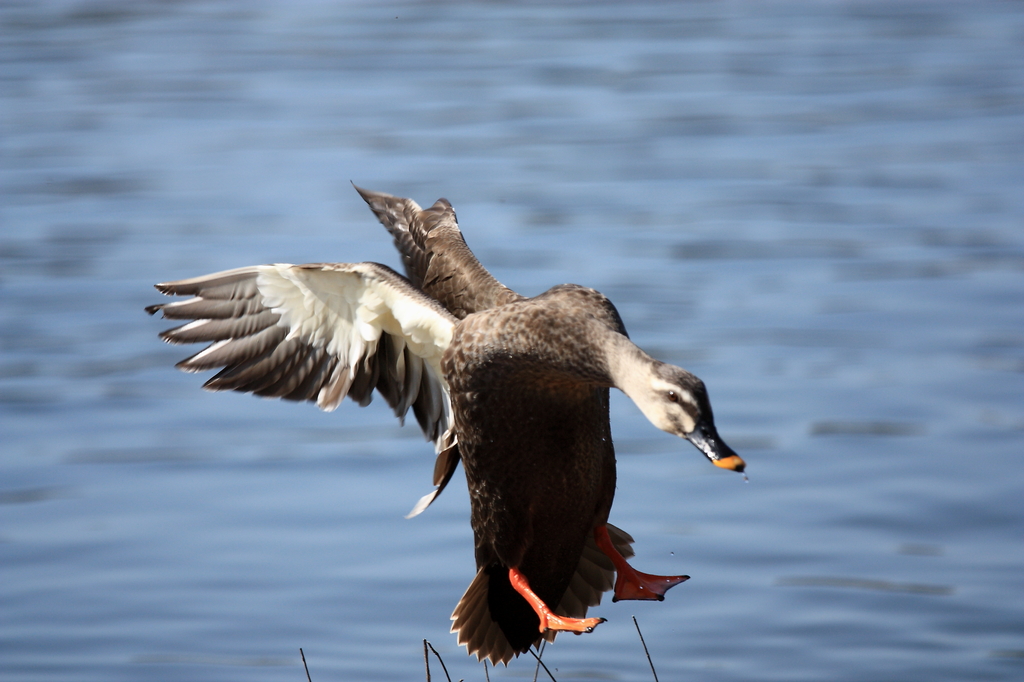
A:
(549, 620)
(632, 584)
(629, 582)
(552, 621)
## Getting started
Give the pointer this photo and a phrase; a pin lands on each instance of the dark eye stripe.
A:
(691, 410)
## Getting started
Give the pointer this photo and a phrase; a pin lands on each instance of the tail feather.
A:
(483, 636)
(472, 620)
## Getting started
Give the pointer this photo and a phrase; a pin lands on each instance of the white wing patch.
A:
(320, 332)
(344, 309)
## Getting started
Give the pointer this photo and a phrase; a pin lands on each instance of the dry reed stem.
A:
(536, 654)
(649, 662)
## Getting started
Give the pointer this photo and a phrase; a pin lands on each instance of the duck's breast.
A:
(534, 437)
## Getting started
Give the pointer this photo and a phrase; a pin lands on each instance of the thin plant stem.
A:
(649, 662)
(441, 660)
(541, 664)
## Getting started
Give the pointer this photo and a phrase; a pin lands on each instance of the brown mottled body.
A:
(527, 395)
(532, 402)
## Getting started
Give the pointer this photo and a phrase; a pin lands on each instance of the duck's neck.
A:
(629, 368)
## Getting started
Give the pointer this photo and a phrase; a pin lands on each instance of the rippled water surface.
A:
(816, 207)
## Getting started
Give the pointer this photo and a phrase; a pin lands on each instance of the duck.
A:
(514, 388)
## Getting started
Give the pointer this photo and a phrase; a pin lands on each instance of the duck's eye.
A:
(672, 397)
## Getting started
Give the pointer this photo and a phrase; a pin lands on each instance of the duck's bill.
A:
(707, 440)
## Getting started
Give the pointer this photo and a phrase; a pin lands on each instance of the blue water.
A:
(816, 207)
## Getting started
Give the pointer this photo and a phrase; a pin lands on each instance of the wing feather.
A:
(213, 329)
(436, 256)
(320, 332)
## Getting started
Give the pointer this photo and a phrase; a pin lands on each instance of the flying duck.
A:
(515, 388)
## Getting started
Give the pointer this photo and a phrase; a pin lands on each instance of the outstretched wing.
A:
(319, 332)
(436, 256)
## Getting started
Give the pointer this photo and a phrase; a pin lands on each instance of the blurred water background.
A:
(817, 207)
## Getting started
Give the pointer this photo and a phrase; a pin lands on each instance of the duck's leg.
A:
(549, 620)
(629, 582)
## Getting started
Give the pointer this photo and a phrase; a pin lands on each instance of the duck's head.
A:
(676, 402)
